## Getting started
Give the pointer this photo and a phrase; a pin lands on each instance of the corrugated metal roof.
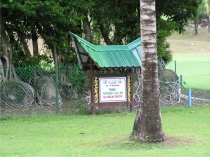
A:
(110, 56)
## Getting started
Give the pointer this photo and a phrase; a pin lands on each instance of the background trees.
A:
(110, 22)
(207, 7)
(25, 20)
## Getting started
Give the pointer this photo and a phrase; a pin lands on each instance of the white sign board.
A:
(112, 89)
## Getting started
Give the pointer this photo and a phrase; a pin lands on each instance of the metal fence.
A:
(45, 86)
(66, 89)
(193, 74)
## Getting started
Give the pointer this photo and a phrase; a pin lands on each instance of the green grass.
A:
(192, 60)
(195, 73)
(187, 131)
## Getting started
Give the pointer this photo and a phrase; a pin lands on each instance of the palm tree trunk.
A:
(148, 123)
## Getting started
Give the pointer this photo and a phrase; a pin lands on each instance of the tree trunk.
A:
(208, 20)
(86, 22)
(34, 38)
(55, 54)
(196, 26)
(148, 124)
(25, 47)
(119, 2)
(6, 47)
(104, 33)
(87, 28)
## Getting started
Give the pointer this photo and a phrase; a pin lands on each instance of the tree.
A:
(50, 20)
(111, 21)
(148, 123)
(198, 16)
(121, 16)
(6, 50)
(207, 6)
(198, 13)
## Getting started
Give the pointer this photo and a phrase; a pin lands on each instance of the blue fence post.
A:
(181, 79)
(189, 98)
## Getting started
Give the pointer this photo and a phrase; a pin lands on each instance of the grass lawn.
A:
(192, 58)
(187, 130)
(195, 73)
(187, 134)
(192, 55)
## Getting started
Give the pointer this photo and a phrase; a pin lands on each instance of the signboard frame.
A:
(95, 91)
(112, 89)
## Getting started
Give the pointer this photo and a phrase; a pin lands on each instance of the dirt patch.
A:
(173, 142)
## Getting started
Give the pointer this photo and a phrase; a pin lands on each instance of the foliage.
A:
(114, 22)
(201, 11)
(51, 19)
(22, 61)
(177, 11)
(163, 47)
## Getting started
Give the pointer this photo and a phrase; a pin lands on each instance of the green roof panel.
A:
(109, 56)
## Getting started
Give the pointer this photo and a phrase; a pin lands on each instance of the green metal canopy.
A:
(110, 56)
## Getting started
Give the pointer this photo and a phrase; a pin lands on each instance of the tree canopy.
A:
(108, 22)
